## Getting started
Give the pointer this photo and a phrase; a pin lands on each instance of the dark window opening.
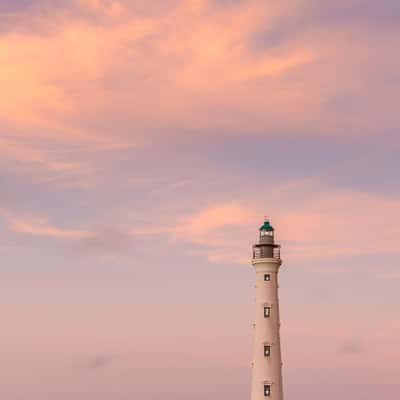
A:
(267, 277)
(267, 311)
(267, 390)
(267, 350)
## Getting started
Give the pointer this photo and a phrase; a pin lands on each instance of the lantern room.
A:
(266, 229)
(266, 247)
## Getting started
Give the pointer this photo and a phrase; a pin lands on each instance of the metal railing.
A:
(259, 252)
(277, 252)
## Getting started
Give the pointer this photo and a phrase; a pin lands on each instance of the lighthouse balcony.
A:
(266, 251)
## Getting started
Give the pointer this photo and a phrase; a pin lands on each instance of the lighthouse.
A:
(267, 360)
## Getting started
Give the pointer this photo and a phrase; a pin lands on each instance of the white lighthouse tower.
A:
(267, 359)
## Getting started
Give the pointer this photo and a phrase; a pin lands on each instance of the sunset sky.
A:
(141, 144)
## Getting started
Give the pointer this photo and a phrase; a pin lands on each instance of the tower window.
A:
(267, 277)
(267, 390)
(267, 311)
(267, 350)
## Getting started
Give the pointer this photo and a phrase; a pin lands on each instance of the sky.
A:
(141, 145)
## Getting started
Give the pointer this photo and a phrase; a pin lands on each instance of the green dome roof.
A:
(266, 227)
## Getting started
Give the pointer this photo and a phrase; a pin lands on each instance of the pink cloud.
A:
(194, 60)
(41, 227)
(210, 219)
(83, 77)
(310, 225)
(342, 223)
(316, 224)
(208, 227)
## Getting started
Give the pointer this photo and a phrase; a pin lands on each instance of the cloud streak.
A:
(129, 76)
(101, 361)
(141, 144)
(37, 226)
(317, 224)
(351, 347)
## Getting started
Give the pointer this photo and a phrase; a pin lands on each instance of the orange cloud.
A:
(109, 76)
(40, 227)
(208, 227)
(210, 219)
(342, 223)
(310, 225)
(41, 71)
(317, 224)
(170, 64)
(192, 65)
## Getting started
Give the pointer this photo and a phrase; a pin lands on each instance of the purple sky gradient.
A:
(141, 145)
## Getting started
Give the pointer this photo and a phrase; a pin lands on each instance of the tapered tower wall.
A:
(267, 360)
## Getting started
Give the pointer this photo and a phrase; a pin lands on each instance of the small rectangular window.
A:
(267, 350)
(267, 277)
(267, 311)
(267, 390)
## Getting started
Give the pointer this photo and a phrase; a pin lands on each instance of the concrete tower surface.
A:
(267, 360)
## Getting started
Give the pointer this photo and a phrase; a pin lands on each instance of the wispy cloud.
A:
(312, 224)
(40, 226)
(159, 133)
(194, 63)
(106, 240)
(101, 361)
(223, 70)
(203, 223)
(351, 347)
(208, 228)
